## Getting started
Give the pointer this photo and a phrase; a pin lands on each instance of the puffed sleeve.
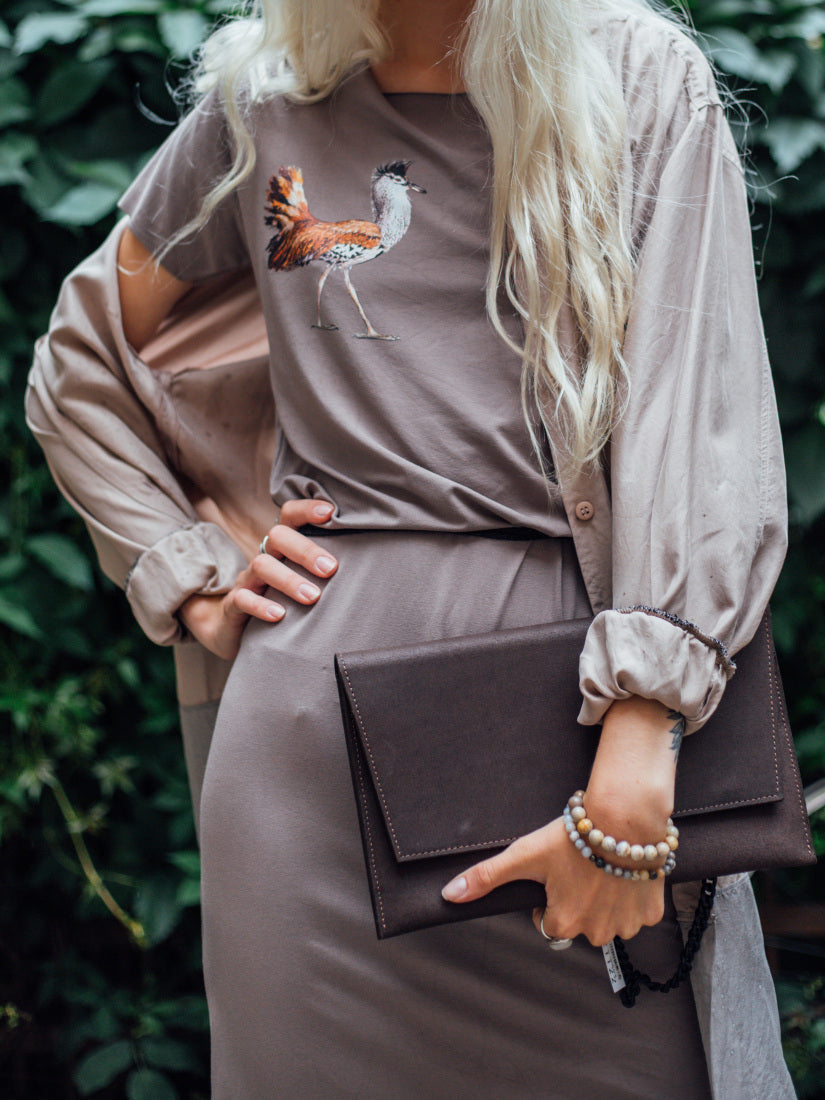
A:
(94, 406)
(696, 468)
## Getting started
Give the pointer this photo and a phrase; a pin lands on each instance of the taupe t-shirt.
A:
(423, 431)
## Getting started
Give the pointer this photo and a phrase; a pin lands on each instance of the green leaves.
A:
(145, 1059)
(63, 559)
(182, 31)
(734, 53)
(34, 31)
(793, 140)
(148, 1084)
(86, 204)
(103, 1066)
(68, 88)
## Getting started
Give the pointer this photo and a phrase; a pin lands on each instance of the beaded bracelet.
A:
(585, 837)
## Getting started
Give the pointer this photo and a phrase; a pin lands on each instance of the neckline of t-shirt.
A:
(365, 77)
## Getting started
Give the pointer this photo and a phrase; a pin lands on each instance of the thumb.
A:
(513, 863)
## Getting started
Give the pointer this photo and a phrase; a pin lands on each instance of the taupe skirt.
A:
(304, 1000)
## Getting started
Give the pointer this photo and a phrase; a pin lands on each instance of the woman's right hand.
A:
(218, 622)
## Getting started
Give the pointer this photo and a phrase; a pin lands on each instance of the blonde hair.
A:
(556, 120)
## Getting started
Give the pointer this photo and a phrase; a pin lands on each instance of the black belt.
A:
(510, 534)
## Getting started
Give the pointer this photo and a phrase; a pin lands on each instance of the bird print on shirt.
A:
(301, 239)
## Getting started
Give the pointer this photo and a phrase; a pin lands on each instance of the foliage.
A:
(802, 1009)
(101, 992)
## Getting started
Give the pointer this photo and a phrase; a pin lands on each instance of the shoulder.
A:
(659, 66)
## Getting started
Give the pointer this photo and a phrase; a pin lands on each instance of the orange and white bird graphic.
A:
(301, 239)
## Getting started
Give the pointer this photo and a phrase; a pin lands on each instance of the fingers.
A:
(519, 861)
(601, 908)
(285, 542)
(295, 513)
(268, 572)
(246, 602)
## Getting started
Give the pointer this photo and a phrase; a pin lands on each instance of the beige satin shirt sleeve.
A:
(112, 433)
(696, 470)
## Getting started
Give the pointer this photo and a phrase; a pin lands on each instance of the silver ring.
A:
(557, 943)
(262, 548)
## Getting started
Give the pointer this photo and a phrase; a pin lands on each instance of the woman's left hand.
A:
(630, 796)
(581, 899)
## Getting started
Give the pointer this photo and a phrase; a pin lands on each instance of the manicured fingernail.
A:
(275, 611)
(325, 564)
(322, 510)
(309, 591)
(455, 890)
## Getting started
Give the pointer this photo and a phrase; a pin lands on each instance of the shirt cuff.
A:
(648, 652)
(200, 558)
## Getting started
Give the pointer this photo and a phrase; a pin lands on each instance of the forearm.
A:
(631, 788)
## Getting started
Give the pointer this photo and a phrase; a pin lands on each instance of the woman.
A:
(573, 158)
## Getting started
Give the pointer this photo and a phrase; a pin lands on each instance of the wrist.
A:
(198, 614)
(649, 857)
(632, 783)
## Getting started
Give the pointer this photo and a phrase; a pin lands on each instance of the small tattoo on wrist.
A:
(677, 731)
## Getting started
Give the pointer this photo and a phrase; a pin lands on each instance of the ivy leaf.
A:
(168, 1053)
(83, 205)
(63, 560)
(792, 140)
(148, 1084)
(111, 173)
(15, 151)
(15, 102)
(18, 618)
(805, 451)
(102, 1066)
(68, 88)
(182, 31)
(734, 52)
(157, 907)
(34, 31)
(107, 8)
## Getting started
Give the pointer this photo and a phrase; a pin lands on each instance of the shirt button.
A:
(584, 510)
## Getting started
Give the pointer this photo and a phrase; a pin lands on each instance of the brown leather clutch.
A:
(457, 747)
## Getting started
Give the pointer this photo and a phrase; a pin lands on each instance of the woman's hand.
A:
(629, 796)
(218, 622)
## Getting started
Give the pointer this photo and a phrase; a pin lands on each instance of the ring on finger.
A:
(557, 943)
(262, 548)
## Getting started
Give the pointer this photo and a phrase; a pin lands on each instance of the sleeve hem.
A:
(654, 654)
(723, 659)
(198, 558)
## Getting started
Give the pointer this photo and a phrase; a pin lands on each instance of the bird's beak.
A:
(415, 187)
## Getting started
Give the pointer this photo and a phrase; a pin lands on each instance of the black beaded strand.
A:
(635, 979)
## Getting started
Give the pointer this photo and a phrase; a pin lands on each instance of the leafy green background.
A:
(94, 807)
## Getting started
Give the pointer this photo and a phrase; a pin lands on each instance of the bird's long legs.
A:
(371, 333)
(319, 323)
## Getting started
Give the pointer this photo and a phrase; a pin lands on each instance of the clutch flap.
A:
(472, 742)
(457, 739)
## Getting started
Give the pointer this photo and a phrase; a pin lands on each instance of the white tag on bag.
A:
(614, 971)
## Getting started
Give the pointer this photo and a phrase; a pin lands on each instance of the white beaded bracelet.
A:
(585, 837)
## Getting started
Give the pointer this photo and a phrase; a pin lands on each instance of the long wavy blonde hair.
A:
(556, 120)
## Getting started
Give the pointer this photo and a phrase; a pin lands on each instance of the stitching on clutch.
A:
(725, 805)
(463, 847)
(774, 688)
(773, 696)
(396, 843)
(800, 797)
(362, 790)
(723, 659)
(371, 756)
